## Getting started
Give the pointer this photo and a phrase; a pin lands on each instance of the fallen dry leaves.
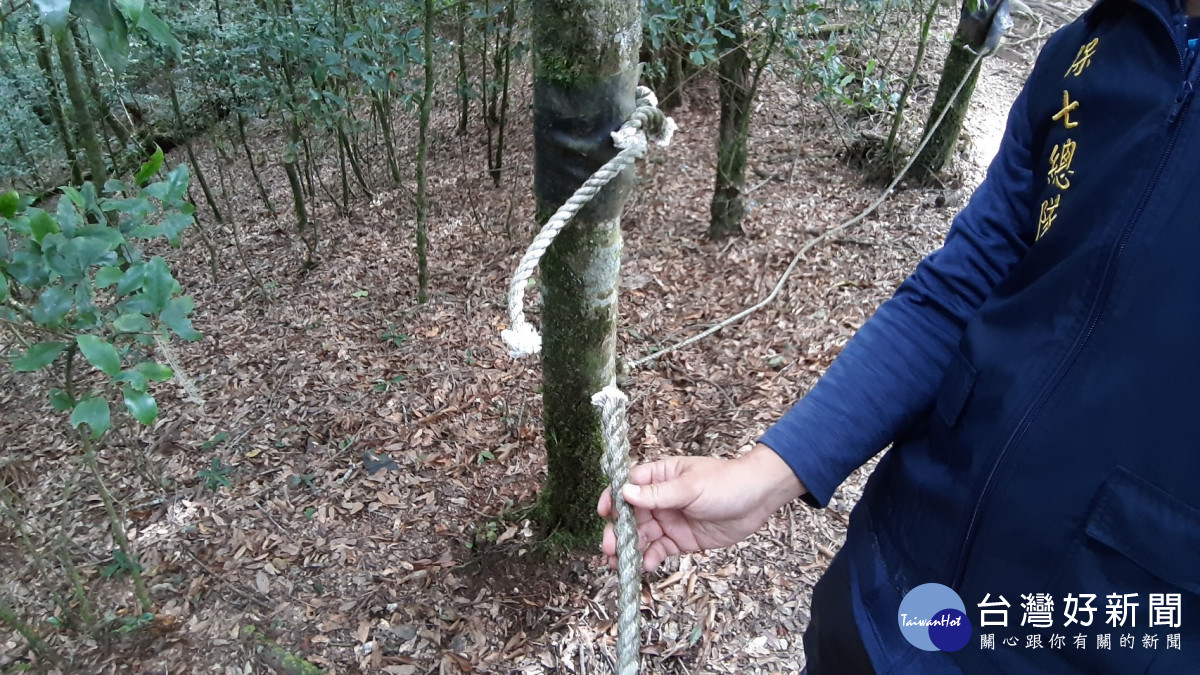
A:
(372, 444)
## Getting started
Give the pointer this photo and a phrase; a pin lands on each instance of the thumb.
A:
(671, 494)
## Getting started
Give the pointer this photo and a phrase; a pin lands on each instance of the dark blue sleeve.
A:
(887, 376)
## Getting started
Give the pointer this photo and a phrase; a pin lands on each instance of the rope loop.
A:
(647, 123)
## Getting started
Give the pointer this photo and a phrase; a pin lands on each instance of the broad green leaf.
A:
(74, 195)
(87, 314)
(173, 225)
(67, 215)
(141, 405)
(53, 304)
(131, 279)
(9, 203)
(111, 41)
(108, 275)
(29, 269)
(92, 411)
(155, 371)
(133, 379)
(113, 186)
(132, 323)
(77, 255)
(100, 353)
(40, 225)
(132, 9)
(3, 288)
(61, 400)
(96, 12)
(39, 356)
(159, 32)
(158, 284)
(150, 168)
(175, 316)
(177, 181)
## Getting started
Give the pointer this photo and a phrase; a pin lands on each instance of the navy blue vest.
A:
(1063, 453)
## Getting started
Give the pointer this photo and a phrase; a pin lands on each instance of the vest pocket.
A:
(1151, 528)
(956, 388)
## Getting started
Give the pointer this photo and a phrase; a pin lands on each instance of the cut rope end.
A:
(608, 395)
(522, 340)
(667, 132)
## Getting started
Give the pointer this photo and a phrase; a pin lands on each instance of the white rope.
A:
(615, 426)
(646, 121)
(645, 124)
(523, 340)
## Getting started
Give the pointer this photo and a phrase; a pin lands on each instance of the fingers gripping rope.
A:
(613, 404)
(646, 123)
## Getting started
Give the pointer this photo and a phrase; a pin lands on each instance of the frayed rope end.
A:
(608, 395)
(522, 340)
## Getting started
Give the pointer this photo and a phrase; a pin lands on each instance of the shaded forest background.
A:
(258, 417)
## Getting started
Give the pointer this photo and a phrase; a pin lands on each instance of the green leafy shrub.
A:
(77, 282)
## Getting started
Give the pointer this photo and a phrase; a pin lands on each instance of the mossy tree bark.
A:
(585, 72)
(84, 124)
(977, 30)
(422, 152)
(54, 99)
(736, 92)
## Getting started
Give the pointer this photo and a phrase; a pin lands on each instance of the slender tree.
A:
(462, 84)
(191, 153)
(585, 61)
(740, 67)
(422, 151)
(54, 99)
(84, 123)
(981, 24)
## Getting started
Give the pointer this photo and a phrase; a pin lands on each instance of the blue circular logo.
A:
(932, 617)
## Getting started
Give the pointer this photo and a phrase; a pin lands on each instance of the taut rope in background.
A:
(646, 123)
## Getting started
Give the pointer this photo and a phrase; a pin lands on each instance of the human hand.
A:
(692, 503)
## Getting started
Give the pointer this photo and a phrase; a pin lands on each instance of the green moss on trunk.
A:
(733, 130)
(576, 42)
(578, 356)
(937, 152)
(585, 69)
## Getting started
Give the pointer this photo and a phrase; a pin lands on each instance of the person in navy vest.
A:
(1038, 379)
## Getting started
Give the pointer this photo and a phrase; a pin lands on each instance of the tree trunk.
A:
(262, 190)
(383, 108)
(497, 166)
(976, 32)
(191, 153)
(585, 72)
(422, 151)
(736, 90)
(922, 45)
(83, 117)
(93, 81)
(54, 99)
(460, 80)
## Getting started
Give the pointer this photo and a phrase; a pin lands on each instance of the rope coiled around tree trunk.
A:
(647, 123)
